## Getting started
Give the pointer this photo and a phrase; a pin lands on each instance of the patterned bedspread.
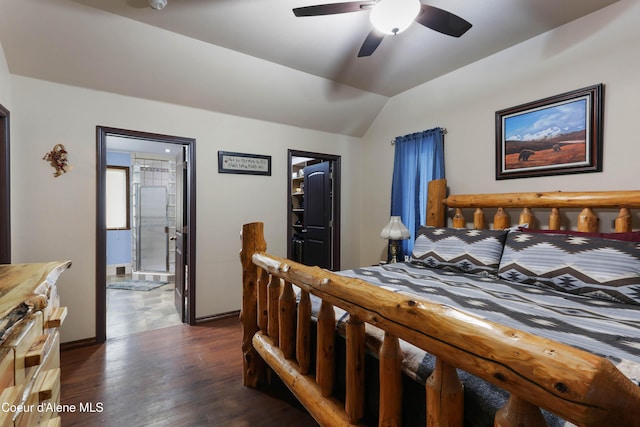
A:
(606, 328)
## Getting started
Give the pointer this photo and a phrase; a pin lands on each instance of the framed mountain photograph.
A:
(558, 135)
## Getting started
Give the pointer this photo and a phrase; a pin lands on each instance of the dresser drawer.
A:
(49, 394)
(24, 339)
(45, 389)
(53, 303)
(52, 357)
(7, 363)
(56, 318)
(42, 388)
(53, 422)
(10, 396)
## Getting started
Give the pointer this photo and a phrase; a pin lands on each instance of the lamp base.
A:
(394, 251)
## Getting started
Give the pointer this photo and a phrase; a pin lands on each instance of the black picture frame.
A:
(244, 164)
(558, 135)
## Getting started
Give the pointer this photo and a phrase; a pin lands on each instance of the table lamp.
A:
(395, 230)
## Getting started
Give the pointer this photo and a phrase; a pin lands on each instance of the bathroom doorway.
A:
(138, 285)
(141, 227)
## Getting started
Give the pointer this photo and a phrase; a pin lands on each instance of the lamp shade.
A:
(395, 230)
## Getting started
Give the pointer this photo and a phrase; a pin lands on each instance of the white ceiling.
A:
(254, 58)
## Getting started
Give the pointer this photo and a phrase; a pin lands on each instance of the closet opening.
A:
(313, 209)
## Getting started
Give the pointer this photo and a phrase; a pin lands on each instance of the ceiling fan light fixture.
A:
(157, 4)
(394, 16)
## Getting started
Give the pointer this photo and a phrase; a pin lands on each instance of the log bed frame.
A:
(578, 386)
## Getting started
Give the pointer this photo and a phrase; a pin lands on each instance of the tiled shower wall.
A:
(151, 170)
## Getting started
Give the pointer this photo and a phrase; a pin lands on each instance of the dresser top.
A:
(24, 287)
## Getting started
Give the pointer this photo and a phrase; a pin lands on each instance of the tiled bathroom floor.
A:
(131, 312)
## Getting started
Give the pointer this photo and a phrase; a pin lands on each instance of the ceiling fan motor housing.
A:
(393, 17)
(157, 4)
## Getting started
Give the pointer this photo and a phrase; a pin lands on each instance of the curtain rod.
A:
(443, 130)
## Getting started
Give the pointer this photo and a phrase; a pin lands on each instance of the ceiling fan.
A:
(392, 17)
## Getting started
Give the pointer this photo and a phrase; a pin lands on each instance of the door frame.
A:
(335, 185)
(101, 232)
(5, 188)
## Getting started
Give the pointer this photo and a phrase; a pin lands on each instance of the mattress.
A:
(603, 327)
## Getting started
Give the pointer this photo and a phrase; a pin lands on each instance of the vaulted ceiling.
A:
(254, 58)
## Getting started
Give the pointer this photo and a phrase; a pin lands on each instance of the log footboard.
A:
(538, 373)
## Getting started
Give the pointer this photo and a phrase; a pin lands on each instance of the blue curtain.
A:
(419, 158)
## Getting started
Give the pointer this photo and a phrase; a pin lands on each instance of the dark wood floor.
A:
(177, 376)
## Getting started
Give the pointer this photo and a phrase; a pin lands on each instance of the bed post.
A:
(445, 396)
(436, 210)
(252, 242)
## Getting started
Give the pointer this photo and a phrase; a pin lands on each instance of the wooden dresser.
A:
(30, 314)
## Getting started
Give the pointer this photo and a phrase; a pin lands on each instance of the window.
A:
(118, 198)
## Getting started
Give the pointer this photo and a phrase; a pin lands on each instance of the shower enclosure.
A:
(153, 232)
(154, 207)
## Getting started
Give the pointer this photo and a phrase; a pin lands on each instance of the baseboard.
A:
(72, 345)
(220, 316)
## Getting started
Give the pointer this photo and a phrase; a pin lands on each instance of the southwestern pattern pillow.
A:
(630, 236)
(460, 249)
(591, 266)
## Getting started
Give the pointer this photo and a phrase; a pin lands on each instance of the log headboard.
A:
(438, 203)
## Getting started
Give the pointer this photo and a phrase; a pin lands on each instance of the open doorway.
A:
(145, 240)
(313, 209)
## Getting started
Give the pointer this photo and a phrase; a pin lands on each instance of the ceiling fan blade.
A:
(442, 21)
(333, 8)
(370, 44)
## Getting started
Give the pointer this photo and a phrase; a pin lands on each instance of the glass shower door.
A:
(153, 237)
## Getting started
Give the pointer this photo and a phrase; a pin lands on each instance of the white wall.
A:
(54, 218)
(599, 48)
